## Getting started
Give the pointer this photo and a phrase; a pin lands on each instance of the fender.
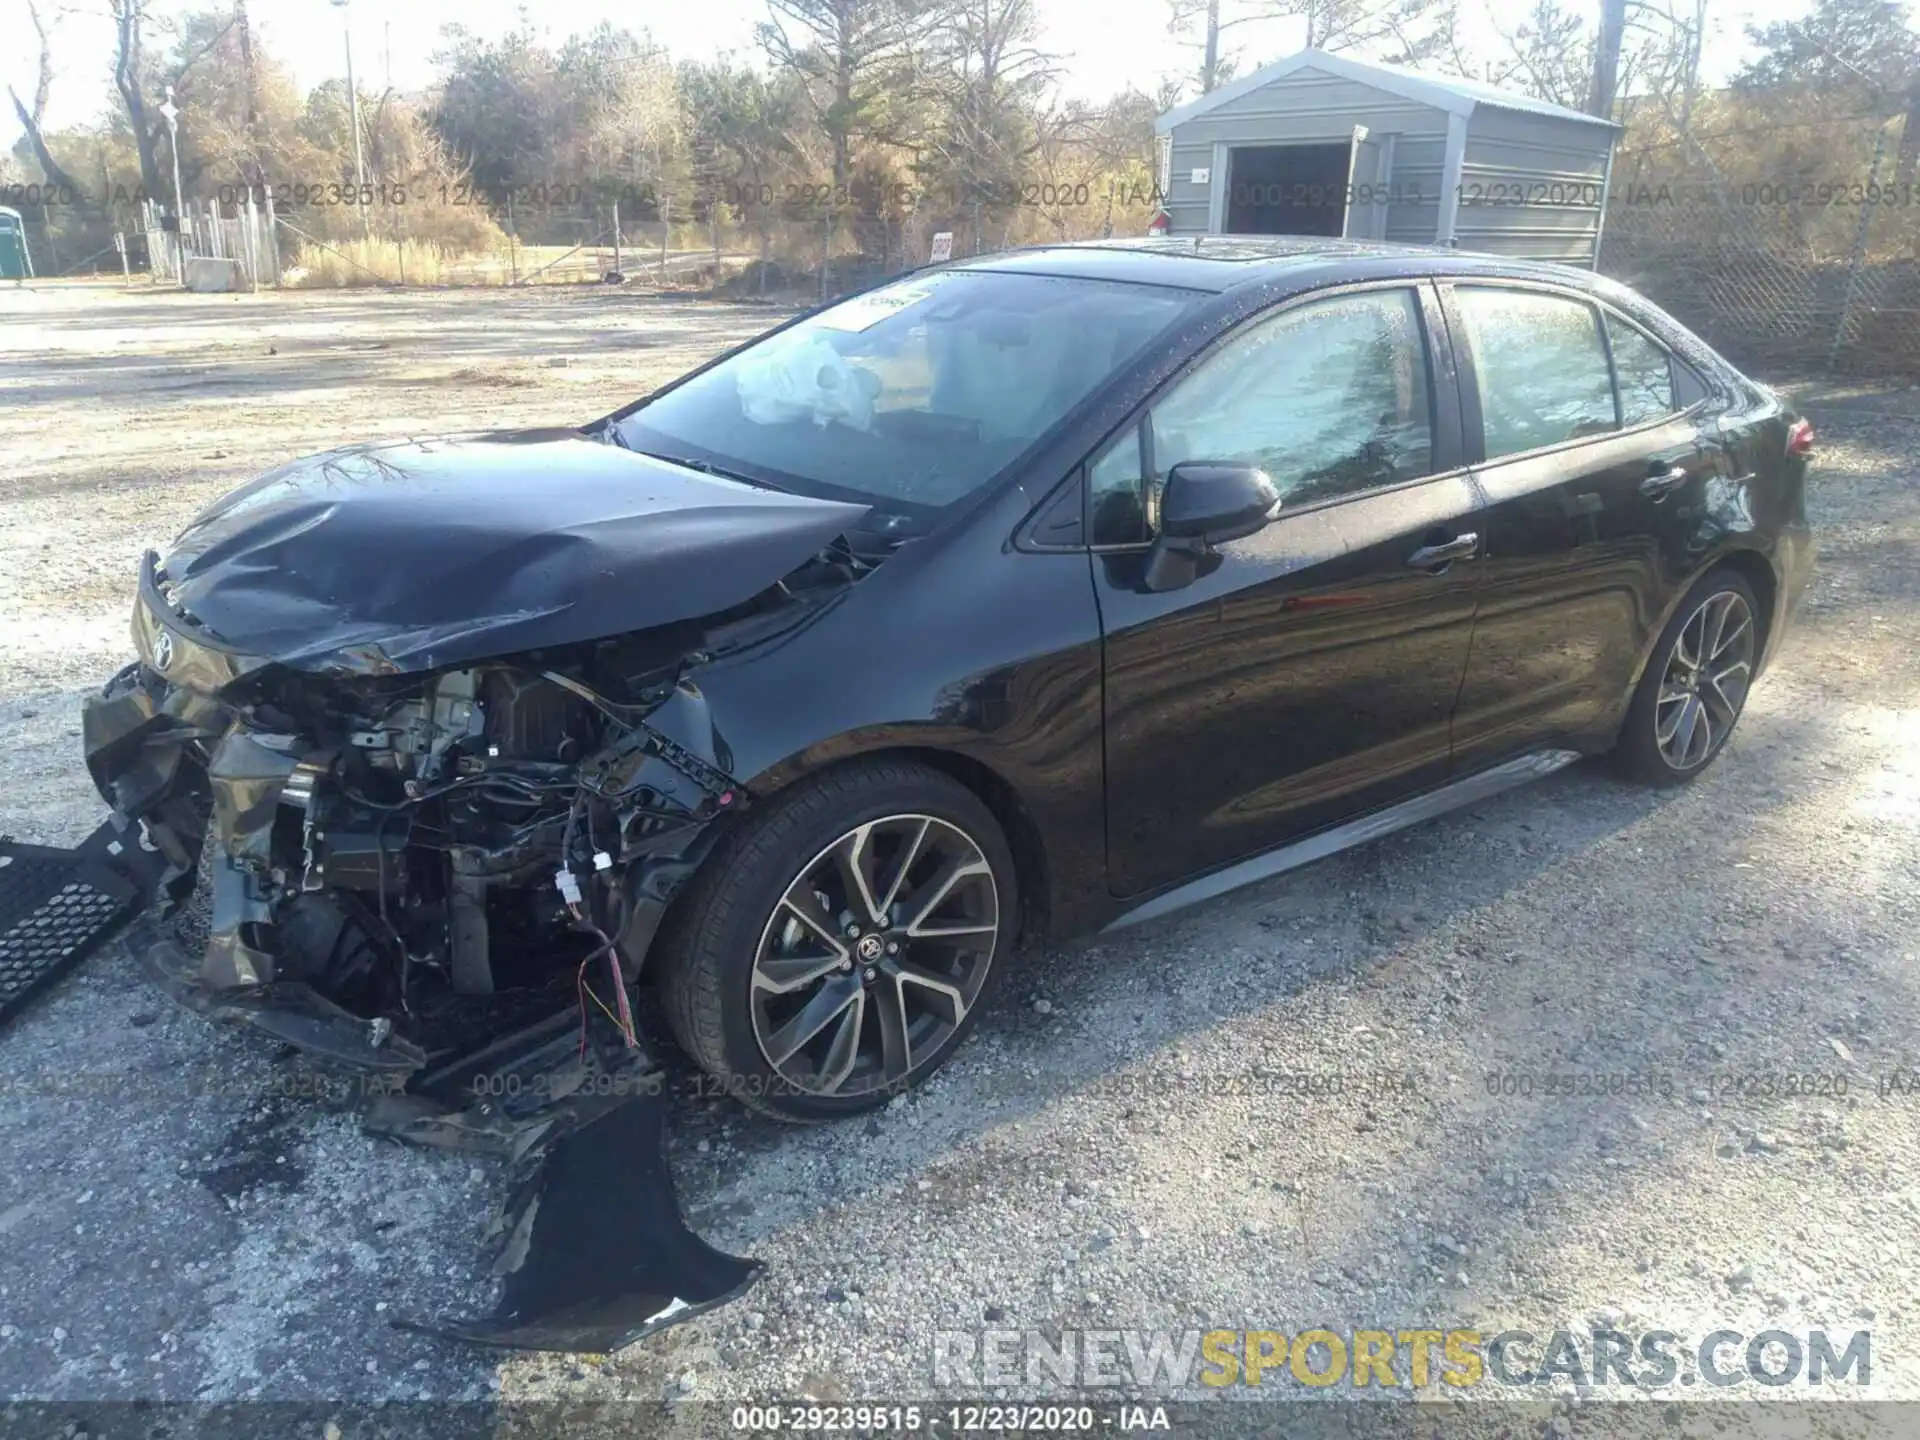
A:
(1776, 614)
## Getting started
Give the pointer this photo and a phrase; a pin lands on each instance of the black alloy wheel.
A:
(874, 956)
(1696, 683)
(880, 898)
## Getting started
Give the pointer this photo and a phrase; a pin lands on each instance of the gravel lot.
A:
(172, 1226)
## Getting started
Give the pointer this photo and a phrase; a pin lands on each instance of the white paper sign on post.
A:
(942, 247)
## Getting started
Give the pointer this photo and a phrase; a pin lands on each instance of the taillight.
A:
(1800, 438)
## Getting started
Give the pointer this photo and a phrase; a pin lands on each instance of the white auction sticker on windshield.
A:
(863, 312)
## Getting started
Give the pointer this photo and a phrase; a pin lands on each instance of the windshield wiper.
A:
(707, 467)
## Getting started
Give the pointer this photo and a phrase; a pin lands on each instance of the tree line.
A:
(858, 117)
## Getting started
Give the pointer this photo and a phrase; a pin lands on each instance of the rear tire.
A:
(838, 948)
(1696, 683)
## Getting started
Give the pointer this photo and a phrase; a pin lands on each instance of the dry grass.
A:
(346, 264)
(389, 262)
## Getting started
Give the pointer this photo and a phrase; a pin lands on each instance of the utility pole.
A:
(1210, 66)
(353, 112)
(1606, 58)
(170, 112)
(245, 28)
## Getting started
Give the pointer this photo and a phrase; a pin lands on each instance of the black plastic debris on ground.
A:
(57, 905)
(598, 1254)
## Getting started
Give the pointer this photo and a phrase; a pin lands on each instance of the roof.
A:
(1217, 263)
(1443, 92)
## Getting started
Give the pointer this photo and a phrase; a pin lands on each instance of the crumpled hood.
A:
(409, 557)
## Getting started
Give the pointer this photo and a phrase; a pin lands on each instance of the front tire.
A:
(1696, 683)
(837, 949)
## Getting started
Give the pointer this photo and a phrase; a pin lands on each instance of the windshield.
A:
(912, 396)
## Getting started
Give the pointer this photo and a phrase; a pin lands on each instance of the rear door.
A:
(1311, 675)
(1585, 479)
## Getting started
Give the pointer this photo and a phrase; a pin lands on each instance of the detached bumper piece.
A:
(596, 1254)
(56, 906)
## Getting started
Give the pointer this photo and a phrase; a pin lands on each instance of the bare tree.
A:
(254, 174)
(1398, 31)
(990, 80)
(133, 75)
(847, 52)
(1549, 54)
(129, 66)
(31, 120)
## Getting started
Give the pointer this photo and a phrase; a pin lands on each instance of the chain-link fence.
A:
(792, 240)
(814, 239)
(1790, 249)
(111, 244)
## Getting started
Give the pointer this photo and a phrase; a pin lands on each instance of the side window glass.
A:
(1688, 388)
(1329, 399)
(1644, 372)
(1542, 368)
(1118, 493)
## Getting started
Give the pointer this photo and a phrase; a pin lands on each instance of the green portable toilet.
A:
(15, 263)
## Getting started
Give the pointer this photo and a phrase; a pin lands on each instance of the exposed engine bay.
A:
(387, 843)
(406, 845)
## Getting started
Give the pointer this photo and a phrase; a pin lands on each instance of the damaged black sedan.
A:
(1052, 590)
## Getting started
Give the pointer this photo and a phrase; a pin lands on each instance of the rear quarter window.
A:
(1645, 374)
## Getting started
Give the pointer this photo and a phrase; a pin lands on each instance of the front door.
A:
(1310, 675)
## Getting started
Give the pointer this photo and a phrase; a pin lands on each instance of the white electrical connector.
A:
(568, 887)
(602, 860)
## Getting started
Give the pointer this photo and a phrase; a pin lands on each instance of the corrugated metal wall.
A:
(1419, 166)
(1530, 184)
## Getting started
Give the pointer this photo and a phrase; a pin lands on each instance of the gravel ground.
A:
(175, 1222)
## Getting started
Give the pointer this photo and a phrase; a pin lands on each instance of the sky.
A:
(1103, 45)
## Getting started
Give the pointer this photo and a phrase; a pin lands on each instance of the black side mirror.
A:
(1206, 503)
(1215, 503)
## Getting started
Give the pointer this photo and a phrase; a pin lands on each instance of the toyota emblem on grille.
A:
(163, 651)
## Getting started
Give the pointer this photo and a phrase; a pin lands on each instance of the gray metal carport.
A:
(1321, 144)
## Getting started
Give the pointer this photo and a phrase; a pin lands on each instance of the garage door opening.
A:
(1288, 189)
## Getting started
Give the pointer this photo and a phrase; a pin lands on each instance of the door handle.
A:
(1662, 481)
(1437, 557)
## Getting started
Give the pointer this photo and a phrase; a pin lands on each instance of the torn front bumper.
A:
(150, 735)
(289, 1011)
(180, 762)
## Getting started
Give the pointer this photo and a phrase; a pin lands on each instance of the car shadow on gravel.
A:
(1739, 1039)
(1395, 918)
